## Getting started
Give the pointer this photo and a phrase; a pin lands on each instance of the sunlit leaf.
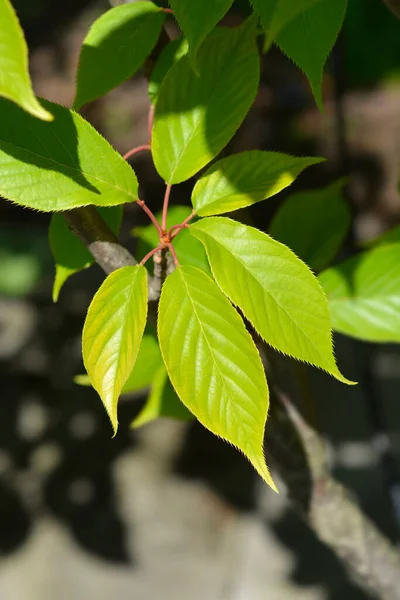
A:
(364, 295)
(15, 83)
(196, 116)
(196, 19)
(70, 254)
(189, 250)
(274, 289)
(325, 220)
(162, 402)
(115, 47)
(59, 165)
(276, 14)
(213, 363)
(113, 332)
(308, 40)
(168, 57)
(244, 179)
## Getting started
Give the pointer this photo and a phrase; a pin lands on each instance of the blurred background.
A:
(168, 510)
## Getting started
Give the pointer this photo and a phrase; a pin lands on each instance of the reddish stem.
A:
(174, 256)
(151, 216)
(151, 253)
(150, 121)
(165, 208)
(136, 151)
(168, 10)
(173, 232)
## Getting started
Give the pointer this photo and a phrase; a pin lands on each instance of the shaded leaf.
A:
(162, 402)
(15, 83)
(325, 220)
(197, 19)
(168, 57)
(213, 363)
(246, 178)
(59, 165)
(274, 289)
(69, 253)
(115, 47)
(189, 250)
(113, 332)
(276, 14)
(364, 295)
(310, 37)
(196, 116)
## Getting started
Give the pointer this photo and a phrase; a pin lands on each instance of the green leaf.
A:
(197, 19)
(325, 220)
(148, 363)
(243, 179)
(213, 363)
(113, 332)
(276, 14)
(196, 116)
(274, 289)
(168, 57)
(15, 83)
(364, 295)
(70, 254)
(115, 47)
(389, 237)
(59, 165)
(162, 402)
(309, 38)
(189, 250)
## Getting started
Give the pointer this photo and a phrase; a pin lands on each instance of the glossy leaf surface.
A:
(189, 250)
(213, 363)
(15, 83)
(197, 19)
(274, 289)
(246, 178)
(325, 220)
(59, 165)
(162, 402)
(364, 295)
(168, 57)
(276, 14)
(115, 47)
(310, 37)
(113, 332)
(69, 253)
(196, 116)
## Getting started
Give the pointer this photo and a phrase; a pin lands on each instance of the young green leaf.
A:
(364, 295)
(115, 47)
(59, 165)
(196, 116)
(213, 363)
(276, 14)
(197, 19)
(113, 332)
(189, 250)
(162, 402)
(147, 364)
(15, 83)
(170, 55)
(325, 220)
(69, 253)
(243, 179)
(308, 40)
(274, 289)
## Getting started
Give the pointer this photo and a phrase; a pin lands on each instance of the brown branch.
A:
(101, 242)
(299, 456)
(394, 6)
